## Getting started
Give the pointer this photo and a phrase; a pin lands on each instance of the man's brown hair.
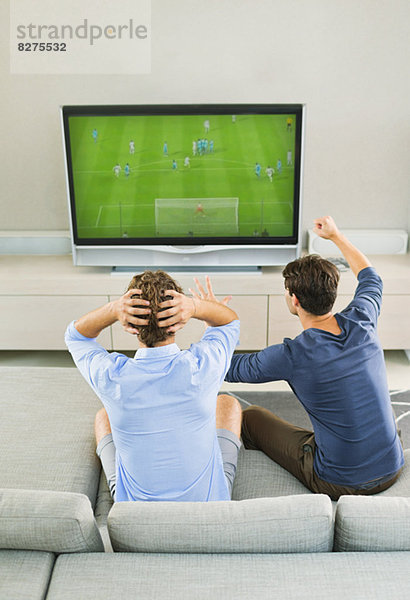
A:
(153, 286)
(314, 281)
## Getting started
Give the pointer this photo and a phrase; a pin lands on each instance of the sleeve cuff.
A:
(72, 334)
(365, 272)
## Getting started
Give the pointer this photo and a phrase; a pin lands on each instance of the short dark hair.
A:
(314, 282)
(153, 286)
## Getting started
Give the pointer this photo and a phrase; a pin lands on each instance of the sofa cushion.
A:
(24, 575)
(49, 521)
(372, 523)
(258, 476)
(320, 576)
(291, 524)
(47, 431)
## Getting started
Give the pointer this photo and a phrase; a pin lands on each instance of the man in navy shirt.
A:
(336, 369)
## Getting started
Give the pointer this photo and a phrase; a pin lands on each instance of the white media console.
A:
(40, 295)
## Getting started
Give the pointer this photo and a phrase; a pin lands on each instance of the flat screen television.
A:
(205, 185)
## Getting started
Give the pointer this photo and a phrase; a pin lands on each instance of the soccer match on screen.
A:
(181, 176)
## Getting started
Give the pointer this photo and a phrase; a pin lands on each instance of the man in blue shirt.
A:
(336, 369)
(161, 434)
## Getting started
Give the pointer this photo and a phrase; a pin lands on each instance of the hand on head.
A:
(175, 313)
(181, 308)
(132, 312)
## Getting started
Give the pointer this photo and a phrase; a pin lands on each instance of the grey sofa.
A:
(61, 537)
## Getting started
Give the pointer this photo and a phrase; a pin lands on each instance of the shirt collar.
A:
(167, 350)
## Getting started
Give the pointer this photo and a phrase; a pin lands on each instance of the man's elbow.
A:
(234, 317)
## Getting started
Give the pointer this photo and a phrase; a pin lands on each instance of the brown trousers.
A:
(293, 448)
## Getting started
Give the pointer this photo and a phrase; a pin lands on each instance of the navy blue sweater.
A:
(341, 382)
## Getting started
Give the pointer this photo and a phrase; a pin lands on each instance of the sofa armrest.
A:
(372, 524)
(47, 521)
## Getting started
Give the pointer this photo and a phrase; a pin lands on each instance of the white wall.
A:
(348, 61)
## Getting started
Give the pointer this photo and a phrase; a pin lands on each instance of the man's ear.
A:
(295, 301)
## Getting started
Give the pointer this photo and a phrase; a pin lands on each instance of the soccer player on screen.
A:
(186, 162)
(200, 210)
(132, 147)
(269, 172)
(95, 135)
(194, 148)
(289, 123)
(211, 146)
(257, 170)
(127, 170)
(174, 165)
(279, 166)
(165, 149)
(206, 125)
(289, 158)
(117, 170)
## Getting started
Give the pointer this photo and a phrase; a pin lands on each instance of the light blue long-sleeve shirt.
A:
(161, 405)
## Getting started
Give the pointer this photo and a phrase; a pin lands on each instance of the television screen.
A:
(184, 174)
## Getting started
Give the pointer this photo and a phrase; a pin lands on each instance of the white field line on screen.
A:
(245, 166)
(169, 169)
(269, 224)
(99, 215)
(159, 162)
(163, 225)
(102, 206)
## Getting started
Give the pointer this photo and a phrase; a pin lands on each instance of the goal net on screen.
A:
(196, 217)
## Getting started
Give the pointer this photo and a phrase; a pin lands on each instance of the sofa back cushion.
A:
(47, 431)
(372, 524)
(289, 524)
(47, 521)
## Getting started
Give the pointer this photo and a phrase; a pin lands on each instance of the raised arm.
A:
(123, 309)
(203, 306)
(326, 228)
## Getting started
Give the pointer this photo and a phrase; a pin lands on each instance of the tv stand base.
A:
(187, 270)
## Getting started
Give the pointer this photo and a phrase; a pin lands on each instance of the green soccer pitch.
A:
(111, 206)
